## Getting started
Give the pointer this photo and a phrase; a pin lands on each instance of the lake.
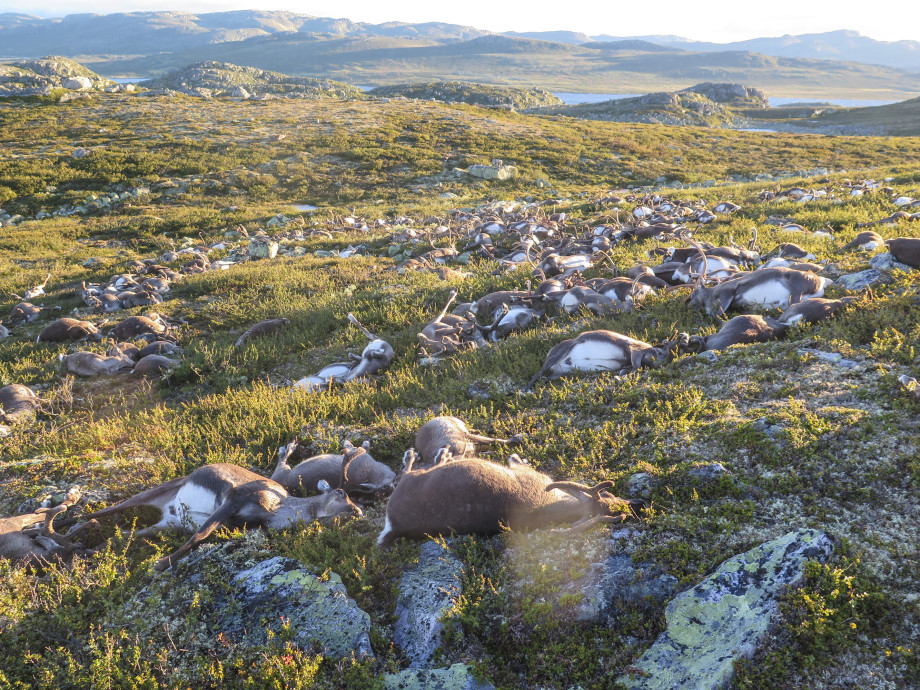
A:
(575, 98)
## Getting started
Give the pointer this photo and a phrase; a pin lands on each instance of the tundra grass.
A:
(806, 443)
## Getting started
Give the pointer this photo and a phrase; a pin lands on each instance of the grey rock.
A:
(886, 262)
(640, 485)
(831, 358)
(316, 610)
(456, 677)
(426, 593)
(709, 472)
(78, 83)
(859, 281)
(493, 172)
(618, 583)
(240, 92)
(262, 248)
(80, 153)
(726, 616)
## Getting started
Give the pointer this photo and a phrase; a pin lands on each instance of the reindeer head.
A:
(598, 504)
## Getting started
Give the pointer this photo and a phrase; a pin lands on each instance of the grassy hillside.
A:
(510, 61)
(807, 443)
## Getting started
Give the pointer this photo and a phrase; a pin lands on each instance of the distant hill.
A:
(144, 44)
(523, 62)
(147, 33)
(832, 45)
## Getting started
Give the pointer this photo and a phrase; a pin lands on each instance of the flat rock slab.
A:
(316, 610)
(886, 261)
(426, 593)
(859, 281)
(725, 617)
(456, 677)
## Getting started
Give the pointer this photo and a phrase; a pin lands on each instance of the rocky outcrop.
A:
(667, 108)
(731, 94)
(40, 76)
(725, 617)
(222, 79)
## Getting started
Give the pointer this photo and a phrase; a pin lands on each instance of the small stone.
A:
(640, 485)
(831, 358)
(80, 153)
(709, 472)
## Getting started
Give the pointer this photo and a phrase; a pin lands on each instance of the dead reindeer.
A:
(511, 319)
(581, 296)
(36, 291)
(225, 495)
(26, 312)
(94, 364)
(24, 543)
(354, 470)
(768, 288)
(814, 310)
(17, 402)
(375, 357)
(741, 330)
(604, 351)
(67, 329)
(479, 497)
(154, 365)
(448, 333)
(451, 433)
(625, 292)
(134, 326)
(906, 250)
(262, 329)
(864, 241)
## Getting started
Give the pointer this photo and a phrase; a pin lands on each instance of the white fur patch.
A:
(387, 528)
(594, 356)
(770, 295)
(190, 508)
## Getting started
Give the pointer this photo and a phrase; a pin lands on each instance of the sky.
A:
(719, 21)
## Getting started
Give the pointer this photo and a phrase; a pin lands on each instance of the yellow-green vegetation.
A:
(807, 443)
(471, 94)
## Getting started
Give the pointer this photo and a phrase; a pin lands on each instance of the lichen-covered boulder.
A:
(260, 248)
(886, 262)
(315, 610)
(725, 617)
(426, 593)
(232, 596)
(456, 677)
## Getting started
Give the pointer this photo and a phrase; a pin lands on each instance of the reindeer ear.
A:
(366, 444)
(725, 300)
(323, 486)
